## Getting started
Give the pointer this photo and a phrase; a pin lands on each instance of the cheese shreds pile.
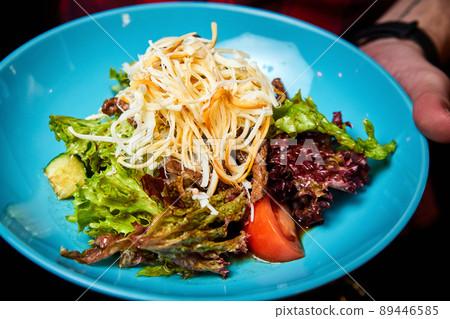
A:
(196, 104)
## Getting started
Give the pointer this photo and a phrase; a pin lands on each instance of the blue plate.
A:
(65, 71)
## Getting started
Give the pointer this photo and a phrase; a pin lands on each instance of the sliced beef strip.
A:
(260, 174)
(114, 105)
(241, 157)
(280, 87)
(174, 166)
(278, 84)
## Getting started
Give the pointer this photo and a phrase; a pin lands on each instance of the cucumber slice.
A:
(64, 172)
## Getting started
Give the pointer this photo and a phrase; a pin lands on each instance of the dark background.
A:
(413, 267)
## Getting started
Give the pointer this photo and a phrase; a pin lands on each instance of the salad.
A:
(199, 157)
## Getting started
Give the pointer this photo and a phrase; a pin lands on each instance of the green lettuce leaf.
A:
(121, 77)
(111, 201)
(301, 115)
(112, 198)
(113, 207)
(185, 236)
(164, 267)
(95, 155)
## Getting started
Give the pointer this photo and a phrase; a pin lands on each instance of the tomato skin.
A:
(272, 238)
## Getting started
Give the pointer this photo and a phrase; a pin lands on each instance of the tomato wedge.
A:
(273, 235)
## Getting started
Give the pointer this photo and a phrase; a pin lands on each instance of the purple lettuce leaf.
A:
(303, 174)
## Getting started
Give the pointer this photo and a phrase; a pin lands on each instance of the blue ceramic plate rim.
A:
(106, 288)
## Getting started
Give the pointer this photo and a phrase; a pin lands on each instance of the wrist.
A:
(433, 17)
(384, 42)
(388, 49)
(399, 31)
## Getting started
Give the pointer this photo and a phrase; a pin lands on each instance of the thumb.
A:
(427, 86)
(432, 116)
(431, 106)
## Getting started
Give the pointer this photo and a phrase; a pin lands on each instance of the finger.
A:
(429, 89)
(431, 113)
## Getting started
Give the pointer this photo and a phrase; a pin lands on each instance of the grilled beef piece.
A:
(174, 166)
(280, 87)
(114, 105)
(260, 174)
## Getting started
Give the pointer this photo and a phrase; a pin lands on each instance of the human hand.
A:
(427, 86)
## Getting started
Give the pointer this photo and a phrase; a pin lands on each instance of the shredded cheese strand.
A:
(194, 103)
